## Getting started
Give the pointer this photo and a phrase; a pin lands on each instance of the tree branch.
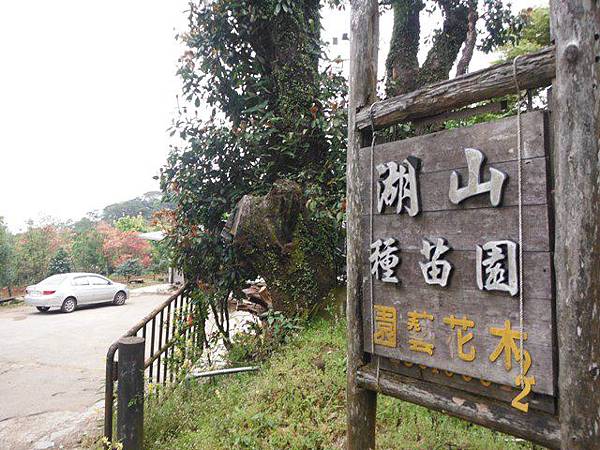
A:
(467, 53)
(446, 43)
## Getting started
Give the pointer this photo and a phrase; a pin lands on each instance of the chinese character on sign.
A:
(497, 267)
(398, 185)
(507, 344)
(435, 270)
(474, 186)
(384, 260)
(385, 326)
(413, 325)
(414, 317)
(462, 325)
(418, 345)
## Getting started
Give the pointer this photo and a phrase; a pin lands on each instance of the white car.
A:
(69, 290)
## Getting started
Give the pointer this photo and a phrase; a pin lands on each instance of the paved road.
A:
(52, 370)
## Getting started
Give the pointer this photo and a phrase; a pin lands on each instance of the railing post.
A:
(130, 417)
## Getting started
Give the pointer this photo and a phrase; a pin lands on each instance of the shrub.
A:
(60, 263)
(129, 268)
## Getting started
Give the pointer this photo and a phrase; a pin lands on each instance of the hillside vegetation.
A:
(297, 401)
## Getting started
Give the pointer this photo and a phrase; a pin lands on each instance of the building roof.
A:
(152, 236)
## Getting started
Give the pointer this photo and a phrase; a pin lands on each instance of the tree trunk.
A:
(280, 243)
(290, 49)
(576, 27)
(446, 43)
(403, 71)
(402, 65)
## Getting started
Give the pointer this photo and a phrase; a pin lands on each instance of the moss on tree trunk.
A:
(280, 242)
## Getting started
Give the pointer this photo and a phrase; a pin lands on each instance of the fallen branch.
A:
(212, 373)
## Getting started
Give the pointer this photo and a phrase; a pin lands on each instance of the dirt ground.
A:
(52, 371)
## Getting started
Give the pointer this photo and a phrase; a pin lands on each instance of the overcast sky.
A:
(87, 91)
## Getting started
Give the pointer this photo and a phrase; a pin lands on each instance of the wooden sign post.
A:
(361, 402)
(473, 255)
(576, 26)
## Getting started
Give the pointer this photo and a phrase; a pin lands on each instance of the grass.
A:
(297, 401)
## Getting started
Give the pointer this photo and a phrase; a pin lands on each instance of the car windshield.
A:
(53, 280)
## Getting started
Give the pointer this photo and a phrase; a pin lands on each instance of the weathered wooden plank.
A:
(444, 150)
(576, 27)
(537, 275)
(541, 402)
(421, 125)
(534, 70)
(464, 229)
(361, 403)
(434, 187)
(485, 310)
(494, 372)
(474, 221)
(535, 426)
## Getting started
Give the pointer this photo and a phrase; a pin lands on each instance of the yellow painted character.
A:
(418, 345)
(463, 325)
(414, 318)
(507, 344)
(385, 326)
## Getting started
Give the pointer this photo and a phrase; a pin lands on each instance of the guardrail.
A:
(173, 321)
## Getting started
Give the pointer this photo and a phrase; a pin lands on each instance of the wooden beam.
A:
(534, 70)
(576, 27)
(439, 119)
(364, 43)
(535, 426)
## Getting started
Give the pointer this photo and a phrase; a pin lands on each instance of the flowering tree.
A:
(120, 246)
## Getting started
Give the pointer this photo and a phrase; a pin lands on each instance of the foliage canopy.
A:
(145, 205)
(7, 266)
(533, 34)
(276, 111)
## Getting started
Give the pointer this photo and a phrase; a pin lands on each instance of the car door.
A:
(102, 289)
(82, 290)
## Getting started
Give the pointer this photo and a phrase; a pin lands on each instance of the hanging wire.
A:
(519, 180)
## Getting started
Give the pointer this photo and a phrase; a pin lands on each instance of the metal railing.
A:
(173, 321)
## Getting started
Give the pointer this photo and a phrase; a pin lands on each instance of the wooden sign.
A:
(449, 299)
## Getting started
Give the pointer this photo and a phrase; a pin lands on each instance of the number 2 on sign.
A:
(525, 382)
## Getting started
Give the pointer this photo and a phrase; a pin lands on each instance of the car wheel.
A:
(69, 305)
(120, 298)
(43, 308)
